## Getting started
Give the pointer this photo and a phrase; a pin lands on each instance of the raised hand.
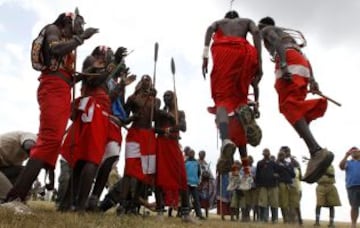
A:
(89, 32)
(314, 86)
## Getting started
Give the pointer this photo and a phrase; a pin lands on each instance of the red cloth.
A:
(292, 95)
(140, 157)
(170, 169)
(223, 208)
(235, 64)
(102, 98)
(100, 95)
(54, 99)
(89, 134)
(236, 132)
(171, 198)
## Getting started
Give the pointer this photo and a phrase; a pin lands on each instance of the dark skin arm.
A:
(253, 29)
(272, 37)
(342, 163)
(210, 30)
(61, 48)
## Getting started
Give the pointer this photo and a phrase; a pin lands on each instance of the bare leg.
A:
(320, 158)
(302, 128)
(317, 214)
(87, 176)
(223, 121)
(354, 216)
(228, 147)
(24, 182)
(100, 182)
(332, 216)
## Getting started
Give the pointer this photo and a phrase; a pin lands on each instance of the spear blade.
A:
(156, 51)
(172, 66)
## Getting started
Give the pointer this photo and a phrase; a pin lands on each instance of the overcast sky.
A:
(179, 27)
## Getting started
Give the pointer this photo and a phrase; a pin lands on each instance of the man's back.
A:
(238, 27)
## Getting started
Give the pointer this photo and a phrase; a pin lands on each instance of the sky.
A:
(179, 28)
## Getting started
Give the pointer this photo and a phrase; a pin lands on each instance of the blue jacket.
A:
(193, 171)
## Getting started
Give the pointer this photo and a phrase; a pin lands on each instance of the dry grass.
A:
(46, 216)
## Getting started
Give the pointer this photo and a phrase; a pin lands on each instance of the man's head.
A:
(266, 153)
(70, 24)
(103, 54)
(286, 151)
(266, 21)
(186, 150)
(202, 154)
(355, 153)
(281, 156)
(235, 168)
(231, 14)
(191, 153)
(169, 98)
(145, 83)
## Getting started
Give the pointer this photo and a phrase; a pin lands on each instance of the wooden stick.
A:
(327, 98)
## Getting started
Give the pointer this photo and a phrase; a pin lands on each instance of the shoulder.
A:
(51, 29)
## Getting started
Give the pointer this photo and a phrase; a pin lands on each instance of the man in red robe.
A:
(293, 76)
(171, 179)
(54, 97)
(236, 66)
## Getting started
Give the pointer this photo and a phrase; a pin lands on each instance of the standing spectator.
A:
(193, 179)
(327, 196)
(204, 166)
(206, 191)
(234, 188)
(286, 174)
(295, 188)
(251, 196)
(267, 182)
(352, 170)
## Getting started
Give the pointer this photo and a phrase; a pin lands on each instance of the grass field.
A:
(46, 216)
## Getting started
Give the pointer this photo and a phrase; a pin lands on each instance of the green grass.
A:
(46, 216)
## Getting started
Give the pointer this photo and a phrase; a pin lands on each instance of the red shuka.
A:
(54, 99)
(140, 157)
(89, 134)
(170, 169)
(292, 95)
(235, 64)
